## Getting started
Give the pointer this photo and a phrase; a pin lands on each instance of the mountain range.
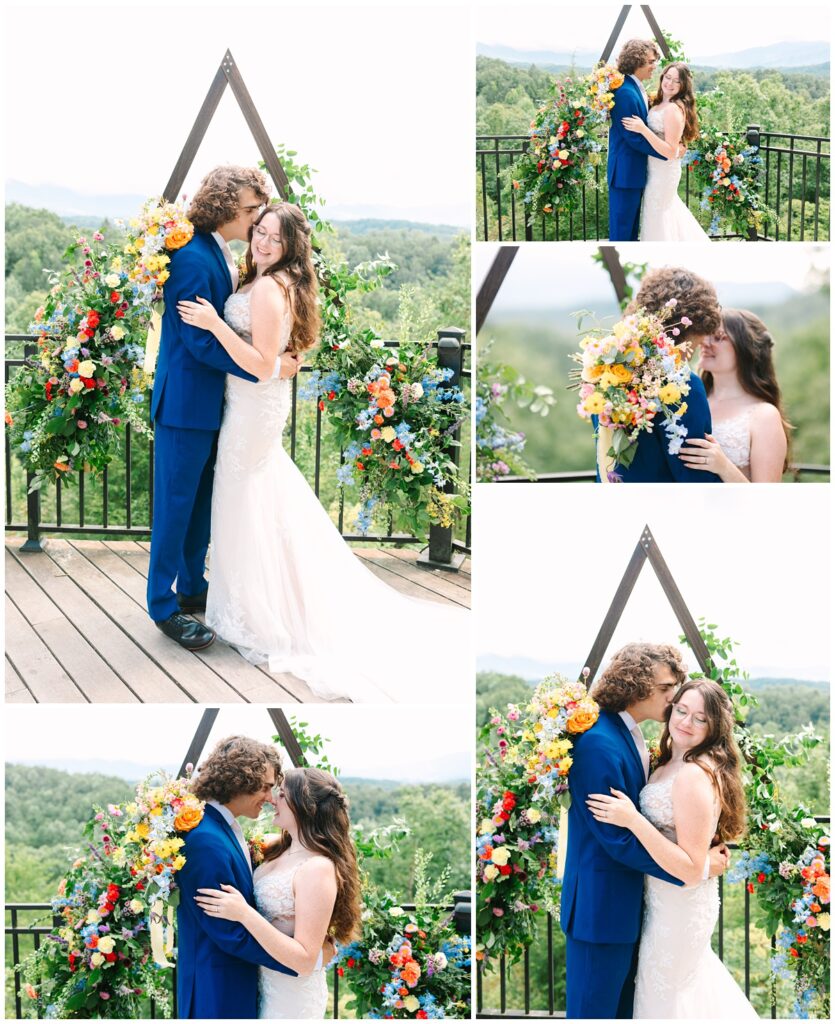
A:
(809, 56)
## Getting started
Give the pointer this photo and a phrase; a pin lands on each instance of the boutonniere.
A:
(654, 757)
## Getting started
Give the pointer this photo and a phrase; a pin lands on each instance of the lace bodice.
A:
(734, 436)
(656, 803)
(655, 119)
(274, 894)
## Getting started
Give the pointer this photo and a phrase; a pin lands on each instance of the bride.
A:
(750, 438)
(285, 588)
(693, 795)
(308, 886)
(671, 119)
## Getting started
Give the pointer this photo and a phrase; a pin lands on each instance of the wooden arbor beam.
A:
(647, 550)
(621, 21)
(227, 74)
(614, 268)
(492, 283)
(207, 720)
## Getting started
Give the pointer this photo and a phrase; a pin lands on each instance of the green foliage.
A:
(495, 690)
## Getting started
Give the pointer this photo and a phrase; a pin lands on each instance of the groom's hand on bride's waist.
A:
(328, 950)
(719, 857)
(289, 364)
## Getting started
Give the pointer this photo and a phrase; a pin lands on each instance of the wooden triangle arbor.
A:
(207, 720)
(227, 74)
(646, 550)
(621, 21)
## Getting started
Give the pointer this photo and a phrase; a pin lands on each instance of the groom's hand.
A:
(719, 857)
(291, 363)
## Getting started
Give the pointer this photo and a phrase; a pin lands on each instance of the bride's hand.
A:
(200, 314)
(634, 124)
(705, 454)
(227, 904)
(612, 810)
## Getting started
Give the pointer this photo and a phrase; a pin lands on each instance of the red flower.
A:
(119, 314)
(92, 318)
(360, 465)
(321, 405)
(351, 962)
(802, 938)
(88, 382)
(331, 395)
(505, 869)
(72, 366)
(504, 815)
(422, 1015)
(367, 450)
(394, 465)
(110, 957)
(750, 887)
(397, 444)
(794, 952)
(761, 877)
(340, 971)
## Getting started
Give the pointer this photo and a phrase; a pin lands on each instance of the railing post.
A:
(440, 554)
(462, 915)
(752, 137)
(33, 517)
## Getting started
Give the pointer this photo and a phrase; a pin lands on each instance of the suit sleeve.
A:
(207, 867)
(628, 108)
(597, 772)
(698, 422)
(189, 281)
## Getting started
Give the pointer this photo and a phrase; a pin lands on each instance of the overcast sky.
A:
(378, 98)
(705, 30)
(365, 741)
(753, 560)
(546, 276)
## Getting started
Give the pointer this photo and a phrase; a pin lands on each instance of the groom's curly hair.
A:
(216, 200)
(235, 767)
(695, 298)
(635, 53)
(630, 676)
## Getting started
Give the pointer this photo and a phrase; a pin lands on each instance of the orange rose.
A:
(178, 238)
(188, 819)
(62, 467)
(411, 973)
(581, 721)
(821, 888)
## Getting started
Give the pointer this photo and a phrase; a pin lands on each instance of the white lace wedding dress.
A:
(287, 591)
(281, 996)
(679, 975)
(734, 437)
(664, 217)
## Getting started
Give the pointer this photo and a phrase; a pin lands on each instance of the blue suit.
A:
(186, 407)
(653, 463)
(627, 164)
(217, 961)
(602, 890)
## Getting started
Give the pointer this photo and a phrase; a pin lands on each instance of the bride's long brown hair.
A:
(296, 261)
(754, 350)
(320, 808)
(685, 99)
(717, 754)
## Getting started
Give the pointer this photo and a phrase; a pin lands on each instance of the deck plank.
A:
(407, 570)
(47, 681)
(16, 690)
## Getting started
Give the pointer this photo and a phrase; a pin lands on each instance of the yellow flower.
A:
(563, 154)
(682, 409)
(485, 826)
(112, 280)
(76, 385)
(823, 922)
(595, 403)
(416, 467)
(388, 434)
(501, 856)
(534, 815)
(670, 394)
(106, 944)
(411, 1003)
(135, 906)
(117, 332)
(178, 862)
(93, 917)
(143, 830)
(564, 765)
(97, 959)
(490, 872)
(86, 368)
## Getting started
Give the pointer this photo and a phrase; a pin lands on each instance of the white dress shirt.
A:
(230, 259)
(640, 85)
(233, 823)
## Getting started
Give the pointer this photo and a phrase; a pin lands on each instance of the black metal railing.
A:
(795, 472)
(514, 981)
(34, 929)
(89, 508)
(794, 177)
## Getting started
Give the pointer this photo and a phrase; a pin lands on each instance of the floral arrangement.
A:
(727, 172)
(602, 83)
(66, 405)
(109, 953)
(631, 378)
(523, 783)
(499, 448)
(784, 860)
(409, 964)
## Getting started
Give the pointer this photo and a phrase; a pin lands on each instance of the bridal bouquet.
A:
(602, 83)
(523, 783)
(66, 406)
(114, 916)
(632, 378)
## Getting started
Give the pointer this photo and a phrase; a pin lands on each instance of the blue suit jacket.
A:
(602, 891)
(628, 151)
(217, 961)
(192, 364)
(653, 462)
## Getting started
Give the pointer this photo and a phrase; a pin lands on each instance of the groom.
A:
(628, 151)
(602, 891)
(188, 401)
(217, 961)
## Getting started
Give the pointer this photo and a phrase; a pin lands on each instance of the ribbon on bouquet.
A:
(162, 933)
(605, 462)
(562, 842)
(153, 339)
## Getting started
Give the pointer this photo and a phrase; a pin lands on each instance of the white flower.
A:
(397, 911)
(440, 961)
(808, 822)
(112, 280)
(377, 343)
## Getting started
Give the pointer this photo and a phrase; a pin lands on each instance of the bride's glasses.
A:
(263, 235)
(681, 713)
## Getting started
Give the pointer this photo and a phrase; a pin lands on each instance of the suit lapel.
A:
(218, 255)
(231, 837)
(630, 742)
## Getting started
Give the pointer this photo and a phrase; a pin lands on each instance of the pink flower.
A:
(686, 321)
(81, 424)
(498, 912)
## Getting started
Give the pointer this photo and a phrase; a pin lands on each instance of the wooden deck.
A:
(77, 629)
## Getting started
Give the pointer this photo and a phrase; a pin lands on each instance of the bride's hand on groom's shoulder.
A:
(617, 809)
(226, 903)
(200, 313)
